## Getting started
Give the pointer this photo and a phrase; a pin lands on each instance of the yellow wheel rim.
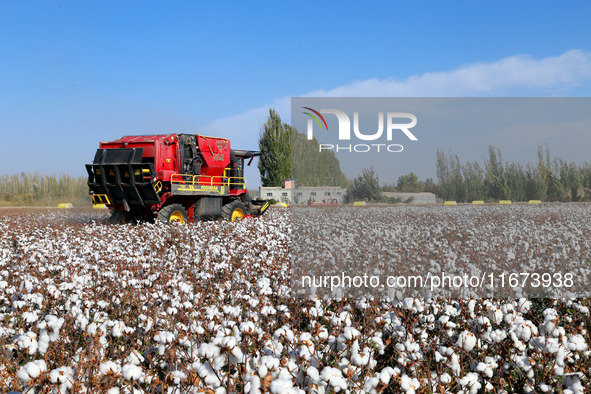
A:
(237, 214)
(176, 216)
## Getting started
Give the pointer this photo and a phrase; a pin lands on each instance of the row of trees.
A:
(410, 184)
(35, 189)
(547, 180)
(288, 154)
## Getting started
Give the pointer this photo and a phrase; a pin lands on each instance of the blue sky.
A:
(73, 73)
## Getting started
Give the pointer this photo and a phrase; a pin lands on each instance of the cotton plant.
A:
(207, 307)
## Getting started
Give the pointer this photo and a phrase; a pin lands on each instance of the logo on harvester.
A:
(394, 124)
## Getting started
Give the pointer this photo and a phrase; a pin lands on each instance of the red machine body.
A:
(141, 177)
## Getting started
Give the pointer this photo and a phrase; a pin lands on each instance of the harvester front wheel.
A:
(173, 213)
(234, 211)
(119, 217)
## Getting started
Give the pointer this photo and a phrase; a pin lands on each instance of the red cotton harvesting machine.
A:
(173, 177)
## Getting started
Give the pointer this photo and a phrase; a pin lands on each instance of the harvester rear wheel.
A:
(173, 213)
(234, 211)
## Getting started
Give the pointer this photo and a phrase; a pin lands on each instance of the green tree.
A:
(535, 185)
(571, 179)
(516, 181)
(408, 183)
(473, 182)
(430, 186)
(494, 180)
(275, 143)
(365, 187)
(288, 154)
(311, 167)
(449, 174)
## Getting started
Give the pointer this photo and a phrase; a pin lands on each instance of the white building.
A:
(302, 195)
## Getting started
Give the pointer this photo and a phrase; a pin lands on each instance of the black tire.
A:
(119, 217)
(234, 211)
(247, 201)
(173, 213)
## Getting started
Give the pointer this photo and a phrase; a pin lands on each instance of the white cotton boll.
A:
(228, 343)
(113, 390)
(408, 303)
(247, 328)
(334, 378)
(49, 331)
(350, 334)
(454, 364)
(482, 323)
(43, 342)
(91, 329)
(254, 384)
(281, 386)
(509, 317)
(495, 315)
(445, 378)
(371, 384)
(573, 384)
(164, 337)
(552, 345)
(177, 377)
(385, 375)
(313, 374)
(31, 370)
(544, 388)
(62, 375)
(270, 362)
(360, 359)
(27, 341)
(409, 385)
(208, 375)
(466, 341)
(35, 368)
(262, 371)
(486, 369)
(524, 331)
(30, 317)
(439, 357)
(109, 367)
(236, 355)
(445, 323)
(322, 333)
(471, 382)
(471, 306)
(581, 308)
(524, 305)
(116, 331)
(81, 321)
(134, 358)
(577, 343)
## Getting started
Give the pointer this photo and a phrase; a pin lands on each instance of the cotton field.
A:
(150, 308)
(492, 250)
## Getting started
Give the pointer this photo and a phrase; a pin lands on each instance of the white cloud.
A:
(510, 76)
(505, 77)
